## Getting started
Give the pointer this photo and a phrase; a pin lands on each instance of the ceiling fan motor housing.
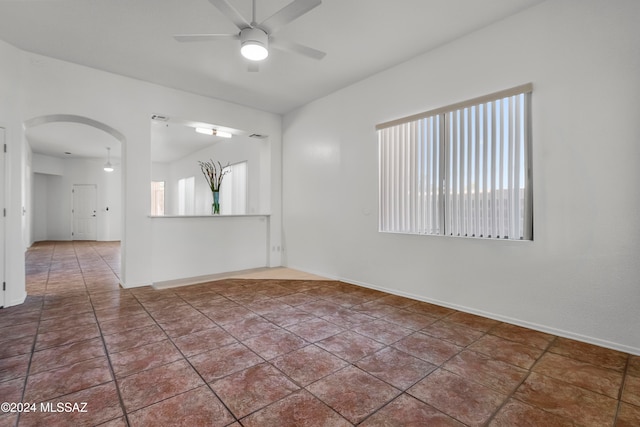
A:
(254, 44)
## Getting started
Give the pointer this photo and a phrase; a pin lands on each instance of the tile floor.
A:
(270, 352)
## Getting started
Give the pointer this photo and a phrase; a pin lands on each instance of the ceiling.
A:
(135, 39)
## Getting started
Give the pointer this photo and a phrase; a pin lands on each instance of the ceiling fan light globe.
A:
(254, 44)
(254, 51)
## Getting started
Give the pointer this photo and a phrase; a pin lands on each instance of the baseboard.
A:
(529, 325)
(202, 279)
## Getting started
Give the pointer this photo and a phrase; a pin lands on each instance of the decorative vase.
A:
(215, 206)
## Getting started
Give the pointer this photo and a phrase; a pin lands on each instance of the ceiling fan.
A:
(256, 39)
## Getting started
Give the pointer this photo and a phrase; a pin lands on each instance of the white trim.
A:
(529, 325)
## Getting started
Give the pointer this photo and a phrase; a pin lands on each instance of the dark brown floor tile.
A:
(631, 392)
(87, 318)
(432, 310)
(201, 341)
(395, 367)
(516, 413)
(383, 331)
(256, 387)
(134, 338)
(18, 331)
(308, 364)
(266, 306)
(145, 357)
(590, 353)
(348, 319)
(409, 319)
(297, 298)
(66, 336)
(350, 346)
(320, 308)
(56, 357)
(115, 301)
(408, 411)
(14, 367)
(634, 366)
(628, 416)
(51, 313)
(345, 300)
(232, 314)
(581, 374)
(352, 393)
(159, 305)
(11, 390)
(67, 379)
(223, 361)
(499, 376)
(15, 347)
(8, 419)
(523, 335)
(565, 400)
(102, 405)
(464, 400)
(457, 334)
(288, 316)
(397, 301)
(122, 324)
(156, 384)
(273, 344)
(117, 422)
(375, 309)
(186, 326)
(298, 409)
(428, 348)
(250, 326)
(472, 321)
(315, 329)
(11, 320)
(507, 351)
(120, 311)
(195, 408)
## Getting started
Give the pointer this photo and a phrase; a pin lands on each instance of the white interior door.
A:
(3, 214)
(84, 212)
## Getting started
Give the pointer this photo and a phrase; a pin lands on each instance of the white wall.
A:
(11, 84)
(57, 87)
(579, 277)
(224, 244)
(51, 215)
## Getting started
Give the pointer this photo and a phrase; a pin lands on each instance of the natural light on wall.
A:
(461, 170)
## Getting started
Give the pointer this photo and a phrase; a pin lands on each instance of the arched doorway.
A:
(68, 153)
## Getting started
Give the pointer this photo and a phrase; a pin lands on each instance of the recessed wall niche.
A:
(177, 185)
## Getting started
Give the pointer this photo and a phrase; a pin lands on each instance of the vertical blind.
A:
(462, 170)
(233, 190)
(157, 197)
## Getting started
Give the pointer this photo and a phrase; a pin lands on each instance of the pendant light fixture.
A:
(108, 167)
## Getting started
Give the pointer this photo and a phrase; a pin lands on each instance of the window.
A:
(186, 196)
(233, 190)
(157, 198)
(462, 170)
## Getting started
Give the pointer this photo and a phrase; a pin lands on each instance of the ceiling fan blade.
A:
(203, 37)
(298, 48)
(287, 14)
(230, 12)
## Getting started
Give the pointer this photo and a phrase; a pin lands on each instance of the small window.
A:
(157, 198)
(462, 170)
(186, 196)
(233, 190)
